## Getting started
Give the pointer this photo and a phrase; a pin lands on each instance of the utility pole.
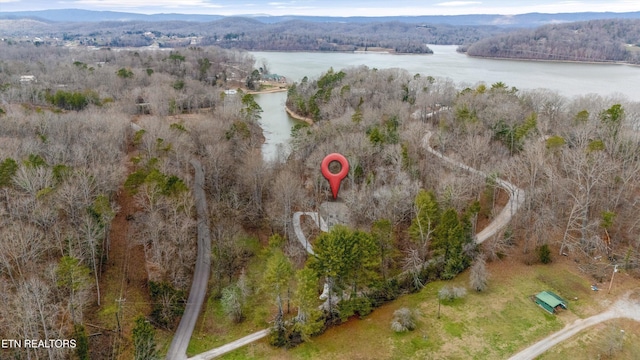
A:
(118, 313)
(615, 270)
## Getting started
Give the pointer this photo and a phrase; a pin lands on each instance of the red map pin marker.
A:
(335, 179)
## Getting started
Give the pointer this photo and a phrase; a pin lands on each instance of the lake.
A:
(276, 123)
(568, 79)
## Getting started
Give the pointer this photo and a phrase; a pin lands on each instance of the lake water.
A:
(568, 79)
(276, 123)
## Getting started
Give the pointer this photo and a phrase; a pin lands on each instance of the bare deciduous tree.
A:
(478, 276)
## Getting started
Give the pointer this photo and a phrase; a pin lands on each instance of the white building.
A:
(27, 79)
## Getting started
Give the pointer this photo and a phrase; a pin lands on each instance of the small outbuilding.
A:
(550, 301)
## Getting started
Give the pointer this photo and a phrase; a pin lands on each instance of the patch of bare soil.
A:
(123, 284)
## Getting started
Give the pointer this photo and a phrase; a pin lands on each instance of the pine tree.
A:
(277, 275)
(82, 342)
(382, 232)
(72, 277)
(450, 241)
(309, 320)
(349, 258)
(144, 340)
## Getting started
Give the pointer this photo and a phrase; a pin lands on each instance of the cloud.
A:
(459, 3)
(330, 7)
(144, 3)
(295, 6)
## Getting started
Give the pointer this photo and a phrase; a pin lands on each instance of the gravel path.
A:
(178, 348)
(623, 308)
(231, 346)
(516, 198)
(298, 229)
(516, 195)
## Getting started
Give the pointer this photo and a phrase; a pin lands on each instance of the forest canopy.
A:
(96, 185)
(612, 40)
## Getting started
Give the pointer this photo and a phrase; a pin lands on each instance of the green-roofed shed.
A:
(550, 301)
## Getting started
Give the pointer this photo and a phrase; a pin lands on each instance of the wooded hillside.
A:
(68, 150)
(613, 40)
(572, 156)
(250, 34)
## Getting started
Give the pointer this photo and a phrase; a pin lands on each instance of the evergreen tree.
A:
(252, 109)
(451, 237)
(8, 169)
(277, 275)
(349, 258)
(544, 254)
(72, 277)
(612, 120)
(447, 234)
(382, 232)
(144, 340)
(82, 342)
(309, 320)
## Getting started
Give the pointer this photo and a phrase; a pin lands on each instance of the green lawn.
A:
(596, 342)
(490, 325)
(214, 328)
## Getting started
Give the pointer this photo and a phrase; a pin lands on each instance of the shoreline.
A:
(298, 117)
(607, 62)
(267, 91)
(340, 52)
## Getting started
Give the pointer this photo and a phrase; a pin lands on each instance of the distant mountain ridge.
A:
(522, 20)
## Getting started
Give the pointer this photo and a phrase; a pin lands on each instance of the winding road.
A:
(516, 195)
(623, 308)
(178, 348)
(516, 198)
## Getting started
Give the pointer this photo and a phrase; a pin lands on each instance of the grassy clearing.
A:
(215, 329)
(490, 325)
(594, 343)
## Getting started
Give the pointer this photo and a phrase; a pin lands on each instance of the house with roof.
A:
(274, 78)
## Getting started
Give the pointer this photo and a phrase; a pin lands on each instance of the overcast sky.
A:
(328, 7)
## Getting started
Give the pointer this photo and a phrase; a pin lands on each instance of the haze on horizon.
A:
(327, 7)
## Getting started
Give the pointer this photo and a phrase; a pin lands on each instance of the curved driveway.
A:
(516, 198)
(516, 195)
(298, 229)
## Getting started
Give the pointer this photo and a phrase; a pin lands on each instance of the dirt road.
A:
(298, 229)
(624, 308)
(516, 195)
(516, 199)
(231, 346)
(178, 348)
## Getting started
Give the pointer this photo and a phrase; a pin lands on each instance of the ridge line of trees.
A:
(611, 40)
